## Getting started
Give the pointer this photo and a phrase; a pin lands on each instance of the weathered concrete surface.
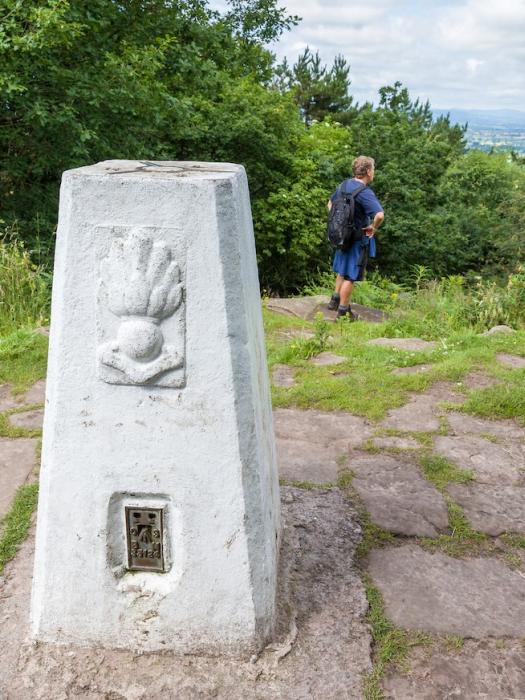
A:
(435, 593)
(491, 463)
(397, 496)
(31, 420)
(488, 670)
(283, 375)
(409, 344)
(157, 398)
(464, 424)
(307, 308)
(320, 650)
(325, 359)
(514, 361)
(314, 445)
(492, 508)
(413, 369)
(17, 461)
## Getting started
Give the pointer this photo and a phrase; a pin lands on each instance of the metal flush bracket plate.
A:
(144, 537)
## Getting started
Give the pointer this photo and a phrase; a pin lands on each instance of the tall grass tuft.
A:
(24, 288)
(433, 308)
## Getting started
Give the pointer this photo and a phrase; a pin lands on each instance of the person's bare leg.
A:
(333, 304)
(347, 288)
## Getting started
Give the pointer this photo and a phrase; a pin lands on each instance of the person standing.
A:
(350, 265)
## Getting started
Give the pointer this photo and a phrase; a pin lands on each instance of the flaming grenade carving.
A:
(140, 283)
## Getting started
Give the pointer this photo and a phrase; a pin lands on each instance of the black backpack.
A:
(341, 229)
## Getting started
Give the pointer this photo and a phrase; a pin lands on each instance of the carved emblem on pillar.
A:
(140, 284)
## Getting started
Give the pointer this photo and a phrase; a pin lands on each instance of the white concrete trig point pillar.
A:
(158, 519)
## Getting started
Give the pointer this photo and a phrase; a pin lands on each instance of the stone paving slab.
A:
(37, 393)
(34, 395)
(310, 444)
(17, 461)
(464, 424)
(320, 650)
(308, 307)
(399, 443)
(421, 412)
(413, 369)
(478, 380)
(295, 333)
(397, 496)
(299, 307)
(408, 344)
(514, 361)
(283, 375)
(491, 463)
(492, 508)
(486, 670)
(7, 400)
(32, 420)
(326, 359)
(499, 329)
(302, 460)
(417, 414)
(479, 597)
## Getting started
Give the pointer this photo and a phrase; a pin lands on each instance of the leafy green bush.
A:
(24, 288)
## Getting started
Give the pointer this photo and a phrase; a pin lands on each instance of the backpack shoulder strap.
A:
(353, 193)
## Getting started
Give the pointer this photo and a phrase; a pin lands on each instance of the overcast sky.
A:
(458, 54)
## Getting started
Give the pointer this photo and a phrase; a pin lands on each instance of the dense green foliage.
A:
(81, 82)
(151, 79)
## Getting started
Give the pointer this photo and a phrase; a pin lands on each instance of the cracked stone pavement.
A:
(472, 608)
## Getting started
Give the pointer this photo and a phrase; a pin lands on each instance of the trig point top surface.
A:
(160, 169)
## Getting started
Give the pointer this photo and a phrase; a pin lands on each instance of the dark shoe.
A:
(333, 304)
(346, 312)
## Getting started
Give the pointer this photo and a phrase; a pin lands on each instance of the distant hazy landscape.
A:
(501, 129)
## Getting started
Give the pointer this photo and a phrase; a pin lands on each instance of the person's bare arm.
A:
(372, 228)
(329, 204)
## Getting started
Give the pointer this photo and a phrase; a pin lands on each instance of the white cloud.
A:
(467, 54)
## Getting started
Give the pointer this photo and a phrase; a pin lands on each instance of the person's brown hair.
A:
(361, 165)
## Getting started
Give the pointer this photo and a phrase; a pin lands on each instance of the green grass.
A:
(517, 541)
(364, 384)
(306, 485)
(440, 472)
(24, 288)
(23, 359)
(500, 401)
(462, 540)
(11, 431)
(15, 525)
(391, 644)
